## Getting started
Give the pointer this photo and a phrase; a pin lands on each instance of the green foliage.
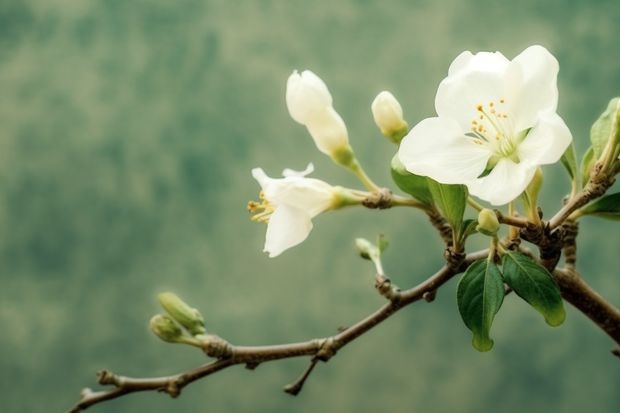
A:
(480, 294)
(586, 165)
(605, 207)
(535, 285)
(451, 200)
(605, 127)
(414, 185)
(569, 160)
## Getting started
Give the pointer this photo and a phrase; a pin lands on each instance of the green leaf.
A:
(451, 200)
(535, 285)
(587, 162)
(480, 294)
(414, 185)
(605, 207)
(468, 228)
(604, 127)
(569, 160)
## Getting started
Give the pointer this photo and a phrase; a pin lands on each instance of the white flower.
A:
(388, 114)
(309, 102)
(496, 123)
(288, 206)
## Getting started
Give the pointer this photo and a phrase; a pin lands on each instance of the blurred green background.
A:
(127, 133)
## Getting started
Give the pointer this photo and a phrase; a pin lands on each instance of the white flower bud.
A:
(388, 115)
(488, 224)
(306, 95)
(309, 102)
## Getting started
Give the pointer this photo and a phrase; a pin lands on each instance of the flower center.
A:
(493, 127)
(261, 211)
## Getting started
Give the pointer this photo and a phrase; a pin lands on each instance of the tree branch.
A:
(577, 292)
(228, 355)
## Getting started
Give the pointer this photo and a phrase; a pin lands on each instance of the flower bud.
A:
(488, 224)
(309, 102)
(365, 248)
(388, 115)
(306, 95)
(329, 132)
(183, 314)
(165, 328)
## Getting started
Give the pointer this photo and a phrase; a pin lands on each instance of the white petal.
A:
(506, 181)
(538, 91)
(305, 95)
(460, 96)
(290, 172)
(287, 227)
(310, 195)
(437, 148)
(261, 177)
(328, 130)
(546, 142)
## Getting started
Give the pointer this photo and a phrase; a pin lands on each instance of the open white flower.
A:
(309, 102)
(288, 205)
(496, 123)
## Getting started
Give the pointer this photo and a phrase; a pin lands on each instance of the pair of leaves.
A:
(480, 293)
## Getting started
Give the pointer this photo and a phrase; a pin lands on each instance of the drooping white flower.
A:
(388, 114)
(496, 123)
(288, 205)
(309, 102)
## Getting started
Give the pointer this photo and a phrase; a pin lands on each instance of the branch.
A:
(228, 355)
(577, 292)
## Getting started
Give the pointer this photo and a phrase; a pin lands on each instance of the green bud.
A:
(165, 328)
(487, 222)
(188, 317)
(366, 249)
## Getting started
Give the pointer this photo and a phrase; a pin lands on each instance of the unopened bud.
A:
(306, 95)
(188, 317)
(388, 115)
(366, 249)
(488, 224)
(165, 328)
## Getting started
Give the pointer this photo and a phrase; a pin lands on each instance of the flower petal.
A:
(305, 95)
(288, 226)
(538, 91)
(287, 172)
(546, 142)
(504, 183)
(473, 80)
(328, 131)
(437, 148)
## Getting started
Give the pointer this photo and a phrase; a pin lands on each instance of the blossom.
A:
(309, 102)
(496, 123)
(388, 115)
(288, 205)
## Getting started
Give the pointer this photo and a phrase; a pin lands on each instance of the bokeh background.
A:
(127, 133)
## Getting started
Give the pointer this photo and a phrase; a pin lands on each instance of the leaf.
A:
(587, 162)
(468, 228)
(414, 185)
(605, 207)
(569, 160)
(451, 200)
(604, 127)
(480, 294)
(535, 285)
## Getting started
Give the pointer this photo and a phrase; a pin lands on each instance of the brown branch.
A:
(229, 355)
(577, 292)
(600, 181)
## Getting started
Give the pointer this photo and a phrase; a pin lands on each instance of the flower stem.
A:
(355, 167)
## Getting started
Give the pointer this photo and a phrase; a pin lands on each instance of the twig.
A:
(319, 349)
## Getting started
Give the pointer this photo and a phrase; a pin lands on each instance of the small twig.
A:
(319, 349)
(514, 221)
(295, 387)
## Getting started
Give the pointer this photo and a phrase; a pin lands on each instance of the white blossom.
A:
(288, 205)
(496, 123)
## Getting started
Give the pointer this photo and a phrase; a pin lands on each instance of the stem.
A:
(357, 169)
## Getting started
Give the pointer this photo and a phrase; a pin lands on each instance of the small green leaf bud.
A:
(165, 328)
(365, 248)
(488, 223)
(188, 317)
